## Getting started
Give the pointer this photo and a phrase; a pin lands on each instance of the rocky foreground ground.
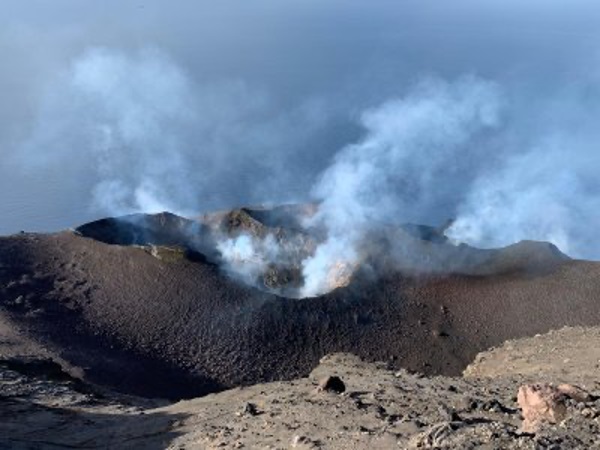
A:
(43, 407)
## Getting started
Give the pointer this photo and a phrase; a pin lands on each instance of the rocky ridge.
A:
(378, 407)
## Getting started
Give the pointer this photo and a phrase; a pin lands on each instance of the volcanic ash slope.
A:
(131, 302)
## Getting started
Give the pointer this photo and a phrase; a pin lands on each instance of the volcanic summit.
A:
(131, 301)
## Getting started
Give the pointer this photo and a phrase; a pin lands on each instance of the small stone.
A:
(574, 392)
(448, 414)
(303, 442)
(588, 413)
(332, 384)
(494, 405)
(249, 409)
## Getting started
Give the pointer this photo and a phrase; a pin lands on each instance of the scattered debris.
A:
(434, 436)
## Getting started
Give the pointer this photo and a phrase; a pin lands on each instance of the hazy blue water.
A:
(41, 202)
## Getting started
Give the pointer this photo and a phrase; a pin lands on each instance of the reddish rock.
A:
(541, 403)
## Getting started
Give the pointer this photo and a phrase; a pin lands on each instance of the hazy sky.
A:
(113, 106)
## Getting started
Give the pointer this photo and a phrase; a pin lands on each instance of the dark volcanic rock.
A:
(141, 229)
(332, 384)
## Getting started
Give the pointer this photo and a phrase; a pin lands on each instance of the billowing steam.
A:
(152, 139)
(248, 257)
(403, 170)
(445, 152)
(137, 131)
(548, 193)
(119, 120)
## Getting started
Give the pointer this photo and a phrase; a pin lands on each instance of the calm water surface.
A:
(42, 202)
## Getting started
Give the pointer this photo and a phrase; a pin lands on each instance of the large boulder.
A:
(541, 403)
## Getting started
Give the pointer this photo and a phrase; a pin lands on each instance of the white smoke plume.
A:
(549, 193)
(545, 185)
(246, 257)
(137, 133)
(404, 168)
(505, 164)
(118, 120)
(466, 151)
